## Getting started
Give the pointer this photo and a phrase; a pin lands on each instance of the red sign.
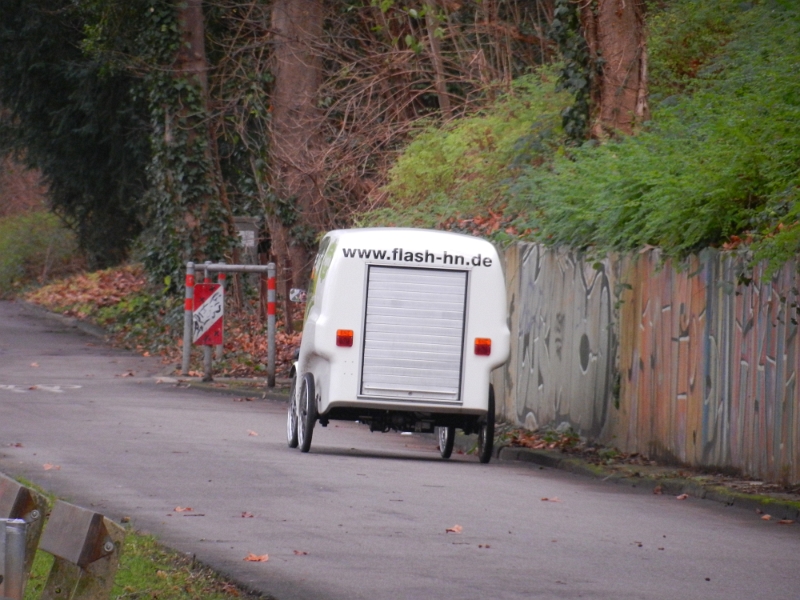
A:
(209, 304)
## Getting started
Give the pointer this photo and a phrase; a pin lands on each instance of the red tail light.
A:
(483, 346)
(344, 338)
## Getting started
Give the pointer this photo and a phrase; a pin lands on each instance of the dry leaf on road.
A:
(252, 433)
(785, 522)
(34, 365)
(183, 509)
(256, 558)
(454, 529)
(301, 553)
(49, 467)
(553, 499)
(247, 515)
(682, 497)
(766, 518)
(658, 490)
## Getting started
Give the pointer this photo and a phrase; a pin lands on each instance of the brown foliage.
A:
(21, 189)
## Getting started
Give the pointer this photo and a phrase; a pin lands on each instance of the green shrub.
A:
(719, 161)
(466, 164)
(34, 247)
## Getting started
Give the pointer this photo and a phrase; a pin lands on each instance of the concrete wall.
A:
(681, 364)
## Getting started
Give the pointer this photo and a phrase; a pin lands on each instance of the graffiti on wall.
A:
(565, 346)
(709, 366)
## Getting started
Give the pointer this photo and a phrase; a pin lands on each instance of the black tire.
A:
(306, 413)
(446, 435)
(291, 418)
(486, 431)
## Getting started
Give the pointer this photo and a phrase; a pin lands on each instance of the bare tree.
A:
(323, 94)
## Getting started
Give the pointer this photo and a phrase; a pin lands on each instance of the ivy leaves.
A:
(577, 71)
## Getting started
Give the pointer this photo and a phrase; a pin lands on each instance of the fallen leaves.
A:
(34, 365)
(245, 341)
(553, 499)
(256, 557)
(126, 374)
(483, 224)
(98, 289)
(247, 515)
(682, 497)
(180, 509)
(252, 433)
(658, 490)
(300, 553)
(768, 517)
(454, 529)
(536, 440)
(49, 467)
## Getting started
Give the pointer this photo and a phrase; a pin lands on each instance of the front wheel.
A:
(291, 418)
(306, 412)
(447, 436)
(486, 432)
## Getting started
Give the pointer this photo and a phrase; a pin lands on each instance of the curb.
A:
(777, 508)
(253, 388)
(88, 328)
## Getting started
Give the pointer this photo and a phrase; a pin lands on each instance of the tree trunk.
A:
(191, 59)
(297, 25)
(196, 185)
(432, 24)
(615, 32)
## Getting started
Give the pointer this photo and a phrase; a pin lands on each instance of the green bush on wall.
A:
(34, 247)
(463, 167)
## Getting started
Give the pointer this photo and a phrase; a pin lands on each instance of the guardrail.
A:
(85, 546)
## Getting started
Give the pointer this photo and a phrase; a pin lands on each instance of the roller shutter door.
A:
(414, 334)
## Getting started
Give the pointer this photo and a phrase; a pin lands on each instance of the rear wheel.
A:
(486, 431)
(306, 412)
(291, 418)
(447, 435)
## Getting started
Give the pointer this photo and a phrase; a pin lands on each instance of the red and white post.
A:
(271, 286)
(188, 311)
(221, 280)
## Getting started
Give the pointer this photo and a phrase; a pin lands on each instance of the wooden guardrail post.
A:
(20, 502)
(86, 547)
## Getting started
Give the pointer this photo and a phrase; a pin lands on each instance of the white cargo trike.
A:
(402, 330)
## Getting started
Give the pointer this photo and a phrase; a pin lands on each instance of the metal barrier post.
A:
(221, 280)
(221, 269)
(271, 324)
(188, 312)
(12, 552)
(207, 354)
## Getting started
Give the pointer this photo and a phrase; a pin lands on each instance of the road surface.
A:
(94, 426)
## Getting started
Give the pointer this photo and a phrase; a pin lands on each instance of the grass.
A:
(148, 570)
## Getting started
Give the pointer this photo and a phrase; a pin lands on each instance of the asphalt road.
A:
(94, 426)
